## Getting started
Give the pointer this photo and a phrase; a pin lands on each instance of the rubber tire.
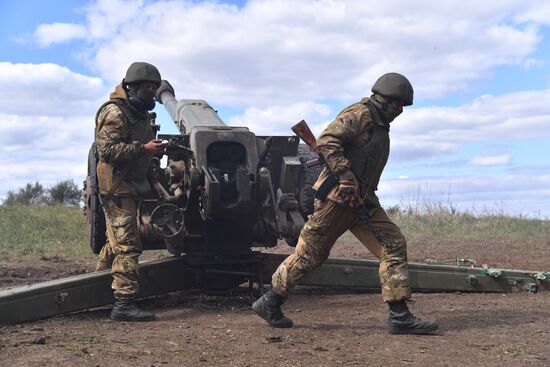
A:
(97, 235)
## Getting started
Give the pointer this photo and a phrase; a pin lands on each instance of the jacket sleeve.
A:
(113, 135)
(342, 130)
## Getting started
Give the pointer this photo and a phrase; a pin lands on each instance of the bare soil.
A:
(330, 330)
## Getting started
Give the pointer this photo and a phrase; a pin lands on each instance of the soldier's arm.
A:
(331, 142)
(113, 135)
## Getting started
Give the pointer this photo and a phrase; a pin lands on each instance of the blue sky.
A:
(477, 135)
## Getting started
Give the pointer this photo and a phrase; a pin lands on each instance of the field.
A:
(331, 330)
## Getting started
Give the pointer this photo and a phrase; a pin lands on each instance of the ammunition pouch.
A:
(326, 186)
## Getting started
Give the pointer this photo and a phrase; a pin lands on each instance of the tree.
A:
(65, 193)
(28, 195)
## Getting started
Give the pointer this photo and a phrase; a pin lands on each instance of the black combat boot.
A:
(268, 307)
(125, 309)
(402, 321)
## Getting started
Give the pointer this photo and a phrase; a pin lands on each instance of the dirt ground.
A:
(330, 330)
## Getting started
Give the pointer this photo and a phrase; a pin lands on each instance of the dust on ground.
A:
(330, 330)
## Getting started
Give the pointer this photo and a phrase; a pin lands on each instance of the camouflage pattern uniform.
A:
(357, 140)
(121, 132)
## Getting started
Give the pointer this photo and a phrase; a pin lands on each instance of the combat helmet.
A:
(142, 71)
(394, 85)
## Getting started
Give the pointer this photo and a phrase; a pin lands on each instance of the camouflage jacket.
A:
(121, 132)
(357, 140)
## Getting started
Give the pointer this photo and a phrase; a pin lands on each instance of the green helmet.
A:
(140, 72)
(394, 85)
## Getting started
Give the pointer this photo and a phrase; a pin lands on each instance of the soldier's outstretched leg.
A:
(326, 224)
(384, 239)
(268, 307)
(402, 321)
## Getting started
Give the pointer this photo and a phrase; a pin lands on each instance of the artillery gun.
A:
(223, 193)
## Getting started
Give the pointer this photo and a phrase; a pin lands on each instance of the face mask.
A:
(147, 94)
(142, 99)
(391, 113)
(386, 109)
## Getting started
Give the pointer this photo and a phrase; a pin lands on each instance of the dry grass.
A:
(61, 230)
(444, 222)
(43, 230)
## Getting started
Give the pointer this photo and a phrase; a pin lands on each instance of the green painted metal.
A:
(92, 290)
(363, 274)
(81, 292)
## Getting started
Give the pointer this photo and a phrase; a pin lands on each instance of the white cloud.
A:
(42, 148)
(106, 17)
(281, 61)
(48, 34)
(277, 120)
(47, 90)
(491, 160)
(46, 123)
(511, 194)
(277, 52)
(539, 14)
(435, 131)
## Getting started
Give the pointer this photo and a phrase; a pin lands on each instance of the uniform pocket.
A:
(322, 213)
(124, 229)
(104, 176)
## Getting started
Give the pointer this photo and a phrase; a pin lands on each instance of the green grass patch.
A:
(61, 230)
(439, 222)
(43, 231)
(443, 223)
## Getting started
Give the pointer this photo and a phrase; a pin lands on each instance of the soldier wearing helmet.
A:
(356, 147)
(126, 144)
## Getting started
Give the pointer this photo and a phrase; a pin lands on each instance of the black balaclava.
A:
(140, 98)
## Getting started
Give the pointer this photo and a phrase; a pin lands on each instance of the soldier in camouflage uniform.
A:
(356, 147)
(126, 145)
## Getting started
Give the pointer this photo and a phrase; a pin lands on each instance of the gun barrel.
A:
(169, 101)
(187, 113)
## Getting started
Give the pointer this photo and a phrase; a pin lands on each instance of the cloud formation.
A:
(279, 52)
(491, 160)
(47, 90)
(43, 148)
(49, 34)
(512, 194)
(281, 61)
(46, 123)
(277, 120)
(431, 132)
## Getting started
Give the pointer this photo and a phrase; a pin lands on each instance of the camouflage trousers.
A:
(327, 223)
(123, 247)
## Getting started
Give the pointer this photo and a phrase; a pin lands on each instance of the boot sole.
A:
(430, 331)
(124, 318)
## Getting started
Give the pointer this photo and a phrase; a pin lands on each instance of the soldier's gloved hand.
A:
(348, 190)
(154, 147)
